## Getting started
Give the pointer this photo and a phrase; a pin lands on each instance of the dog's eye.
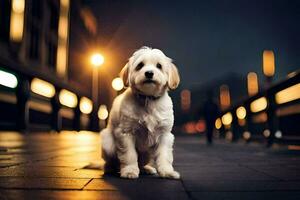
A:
(158, 65)
(139, 66)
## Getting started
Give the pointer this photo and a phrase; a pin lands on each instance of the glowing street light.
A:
(268, 65)
(97, 60)
(17, 20)
(103, 112)
(224, 97)
(227, 119)
(241, 112)
(117, 84)
(218, 123)
(85, 105)
(252, 83)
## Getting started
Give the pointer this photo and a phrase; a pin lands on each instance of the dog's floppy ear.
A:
(174, 78)
(124, 75)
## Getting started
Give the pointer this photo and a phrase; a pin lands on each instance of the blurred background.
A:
(238, 61)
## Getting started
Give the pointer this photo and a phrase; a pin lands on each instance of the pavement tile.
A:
(286, 195)
(221, 173)
(58, 172)
(90, 195)
(244, 185)
(141, 184)
(42, 183)
(59, 163)
(281, 172)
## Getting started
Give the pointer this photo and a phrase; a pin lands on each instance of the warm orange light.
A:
(260, 118)
(241, 112)
(252, 83)
(267, 133)
(218, 123)
(17, 20)
(18, 6)
(242, 122)
(42, 88)
(86, 105)
(185, 99)
(246, 135)
(103, 112)
(268, 63)
(289, 94)
(190, 128)
(61, 61)
(227, 119)
(97, 60)
(224, 97)
(259, 104)
(65, 3)
(63, 32)
(68, 98)
(63, 27)
(200, 126)
(117, 84)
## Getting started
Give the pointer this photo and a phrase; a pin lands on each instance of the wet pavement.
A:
(50, 166)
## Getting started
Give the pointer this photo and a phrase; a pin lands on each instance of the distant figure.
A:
(210, 112)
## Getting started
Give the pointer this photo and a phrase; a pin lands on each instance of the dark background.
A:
(206, 39)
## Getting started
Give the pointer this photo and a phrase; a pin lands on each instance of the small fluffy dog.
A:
(138, 133)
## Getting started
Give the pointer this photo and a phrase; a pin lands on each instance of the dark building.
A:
(40, 87)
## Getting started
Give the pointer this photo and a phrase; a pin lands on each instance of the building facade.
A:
(36, 89)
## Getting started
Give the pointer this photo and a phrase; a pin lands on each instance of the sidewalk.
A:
(49, 166)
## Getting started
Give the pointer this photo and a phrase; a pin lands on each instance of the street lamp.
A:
(268, 65)
(224, 97)
(252, 83)
(96, 60)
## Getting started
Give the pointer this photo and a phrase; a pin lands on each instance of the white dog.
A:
(138, 133)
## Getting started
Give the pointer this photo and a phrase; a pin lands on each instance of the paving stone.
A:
(221, 173)
(244, 185)
(141, 184)
(42, 183)
(286, 195)
(90, 195)
(281, 172)
(59, 163)
(55, 172)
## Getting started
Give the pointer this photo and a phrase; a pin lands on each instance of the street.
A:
(50, 166)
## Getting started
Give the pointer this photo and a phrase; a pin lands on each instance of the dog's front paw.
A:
(130, 172)
(168, 173)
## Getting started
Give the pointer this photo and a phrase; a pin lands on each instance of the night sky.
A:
(206, 39)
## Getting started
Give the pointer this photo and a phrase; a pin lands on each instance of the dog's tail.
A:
(95, 165)
(107, 143)
(108, 150)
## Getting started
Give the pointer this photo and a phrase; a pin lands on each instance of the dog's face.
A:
(150, 72)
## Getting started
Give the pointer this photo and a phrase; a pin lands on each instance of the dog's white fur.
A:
(138, 132)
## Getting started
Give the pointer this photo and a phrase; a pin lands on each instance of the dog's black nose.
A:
(149, 74)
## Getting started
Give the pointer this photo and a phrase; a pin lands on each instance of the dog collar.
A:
(144, 97)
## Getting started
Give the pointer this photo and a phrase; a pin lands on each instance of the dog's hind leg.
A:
(109, 151)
